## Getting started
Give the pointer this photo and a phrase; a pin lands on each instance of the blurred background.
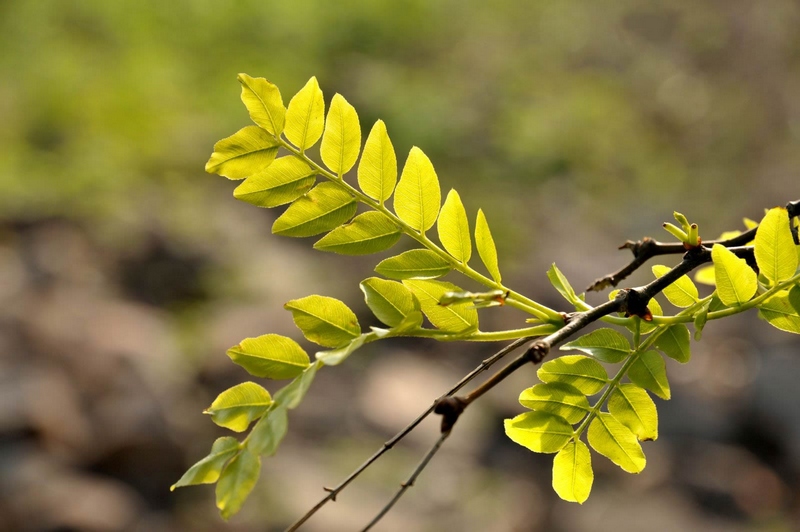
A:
(126, 270)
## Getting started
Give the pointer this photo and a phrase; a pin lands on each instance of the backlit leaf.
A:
(414, 264)
(377, 171)
(324, 208)
(560, 283)
(418, 195)
(674, 342)
(236, 482)
(486, 248)
(237, 407)
(341, 141)
(607, 345)
(292, 394)
(682, 293)
(613, 440)
(572, 472)
(367, 233)
(705, 275)
(247, 152)
(736, 281)
(334, 357)
(541, 432)
(270, 356)
(794, 298)
(207, 470)
(780, 313)
(453, 228)
(264, 103)
(282, 182)
(774, 246)
(557, 398)
(631, 406)
(390, 301)
(582, 372)
(268, 433)
(454, 318)
(305, 116)
(650, 372)
(324, 320)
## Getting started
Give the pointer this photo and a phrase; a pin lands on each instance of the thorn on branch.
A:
(450, 408)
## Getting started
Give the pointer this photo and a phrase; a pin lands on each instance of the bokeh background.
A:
(126, 271)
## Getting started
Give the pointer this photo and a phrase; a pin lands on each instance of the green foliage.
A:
(305, 117)
(324, 320)
(264, 103)
(584, 373)
(367, 233)
(270, 356)
(207, 470)
(285, 180)
(453, 318)
(325, 207)
(650, 372)
(632, 407)
(243, 153)
(486, 247)
(682, 293)
(736, 281)
(390, 301)
(674, 342)
(616, 442)
(541, 432)
(557, 398)
(572, 472)
(606, 345)
(237, 407)
(236, 482)
(414, 264)
(418, 194)
(341, 141)
(774, 246)
(377, 172)
(454, 228)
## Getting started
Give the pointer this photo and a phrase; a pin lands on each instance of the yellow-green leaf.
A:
(650, 372)
(292, 394)
(247, 152)
(572, 472)
(674, 342)
(236, 482)
(390, 301)
(237, 407)
(341, 141)
(582, 372)
(794, 298)
(334, 357)
(282, 182)
(414, 264)
(207, 470)
(453, 228)
(305, 117)
(541, 432)
(774, 246)
(324, 320)
(557, 398)
(736, 281)
(705, 275)
(682, 293)
(270, 356)
(613, 440)
(486, 248)
(780, 313)
(377, 171)
(560, 283)
(324, 208)
(418, 195)
(264, 103)
(367, 233)
(454, 318)
(605, 344)
(631, 406)
(268, 433)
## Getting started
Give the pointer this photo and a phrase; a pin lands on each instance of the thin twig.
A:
(410, 482)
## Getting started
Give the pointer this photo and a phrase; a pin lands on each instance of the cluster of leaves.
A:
(321, 201)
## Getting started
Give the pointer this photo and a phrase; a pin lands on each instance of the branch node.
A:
(537, 351)
(635, 304)
(450, 408)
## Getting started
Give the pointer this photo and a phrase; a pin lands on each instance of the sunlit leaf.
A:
(582, 372)
(236, 482)
(681, 293)
(270, 356)
(377, 171)
(700, 320)
(418, 195)
(324, 208)
(282, 182)
(453, 228)
(207, 470)
(292, 394)
(736, 281)
(794, 298)
(264, 103)
(237, 407)
(780, 313)
(674, 342)
(245, 153)
(541, 432)
(334, 357)
(324, 320)
(607, 345)
(268, 433)
(560, 283)
(390, 301)
(631, 406)
(705, 275)
(572, 472)
(613, 440)
(367, 233)
(486, 248)
(414, 264)
(557, 398)
(454, 318)
(305, 116)
(650, 372)
(774, 246)
(341, 140)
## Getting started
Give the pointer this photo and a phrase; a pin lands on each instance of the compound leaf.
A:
(607, 345)
(324, 208)
(582, 372)
(390, 301)
(572, 472)
(341, 140)
(264, 103)
(674, 342)
(207, 470)
(541, 432)
(650, 372)
(682, 293)
(453, 228)
(237, 407)
(780, 313)
(453, 318)
(774, 246)
(245, 153)
(418, 195)
(270, 356)
(377, 171)
(305, 116)
(236, 482)
(414, 264)
(736, 281)
(268, 433)
(557, 398)
(367, 233)
(632, 407)
(613, 440)
(292, 394)
(282, 182)
(324, 320)
(486, 248)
